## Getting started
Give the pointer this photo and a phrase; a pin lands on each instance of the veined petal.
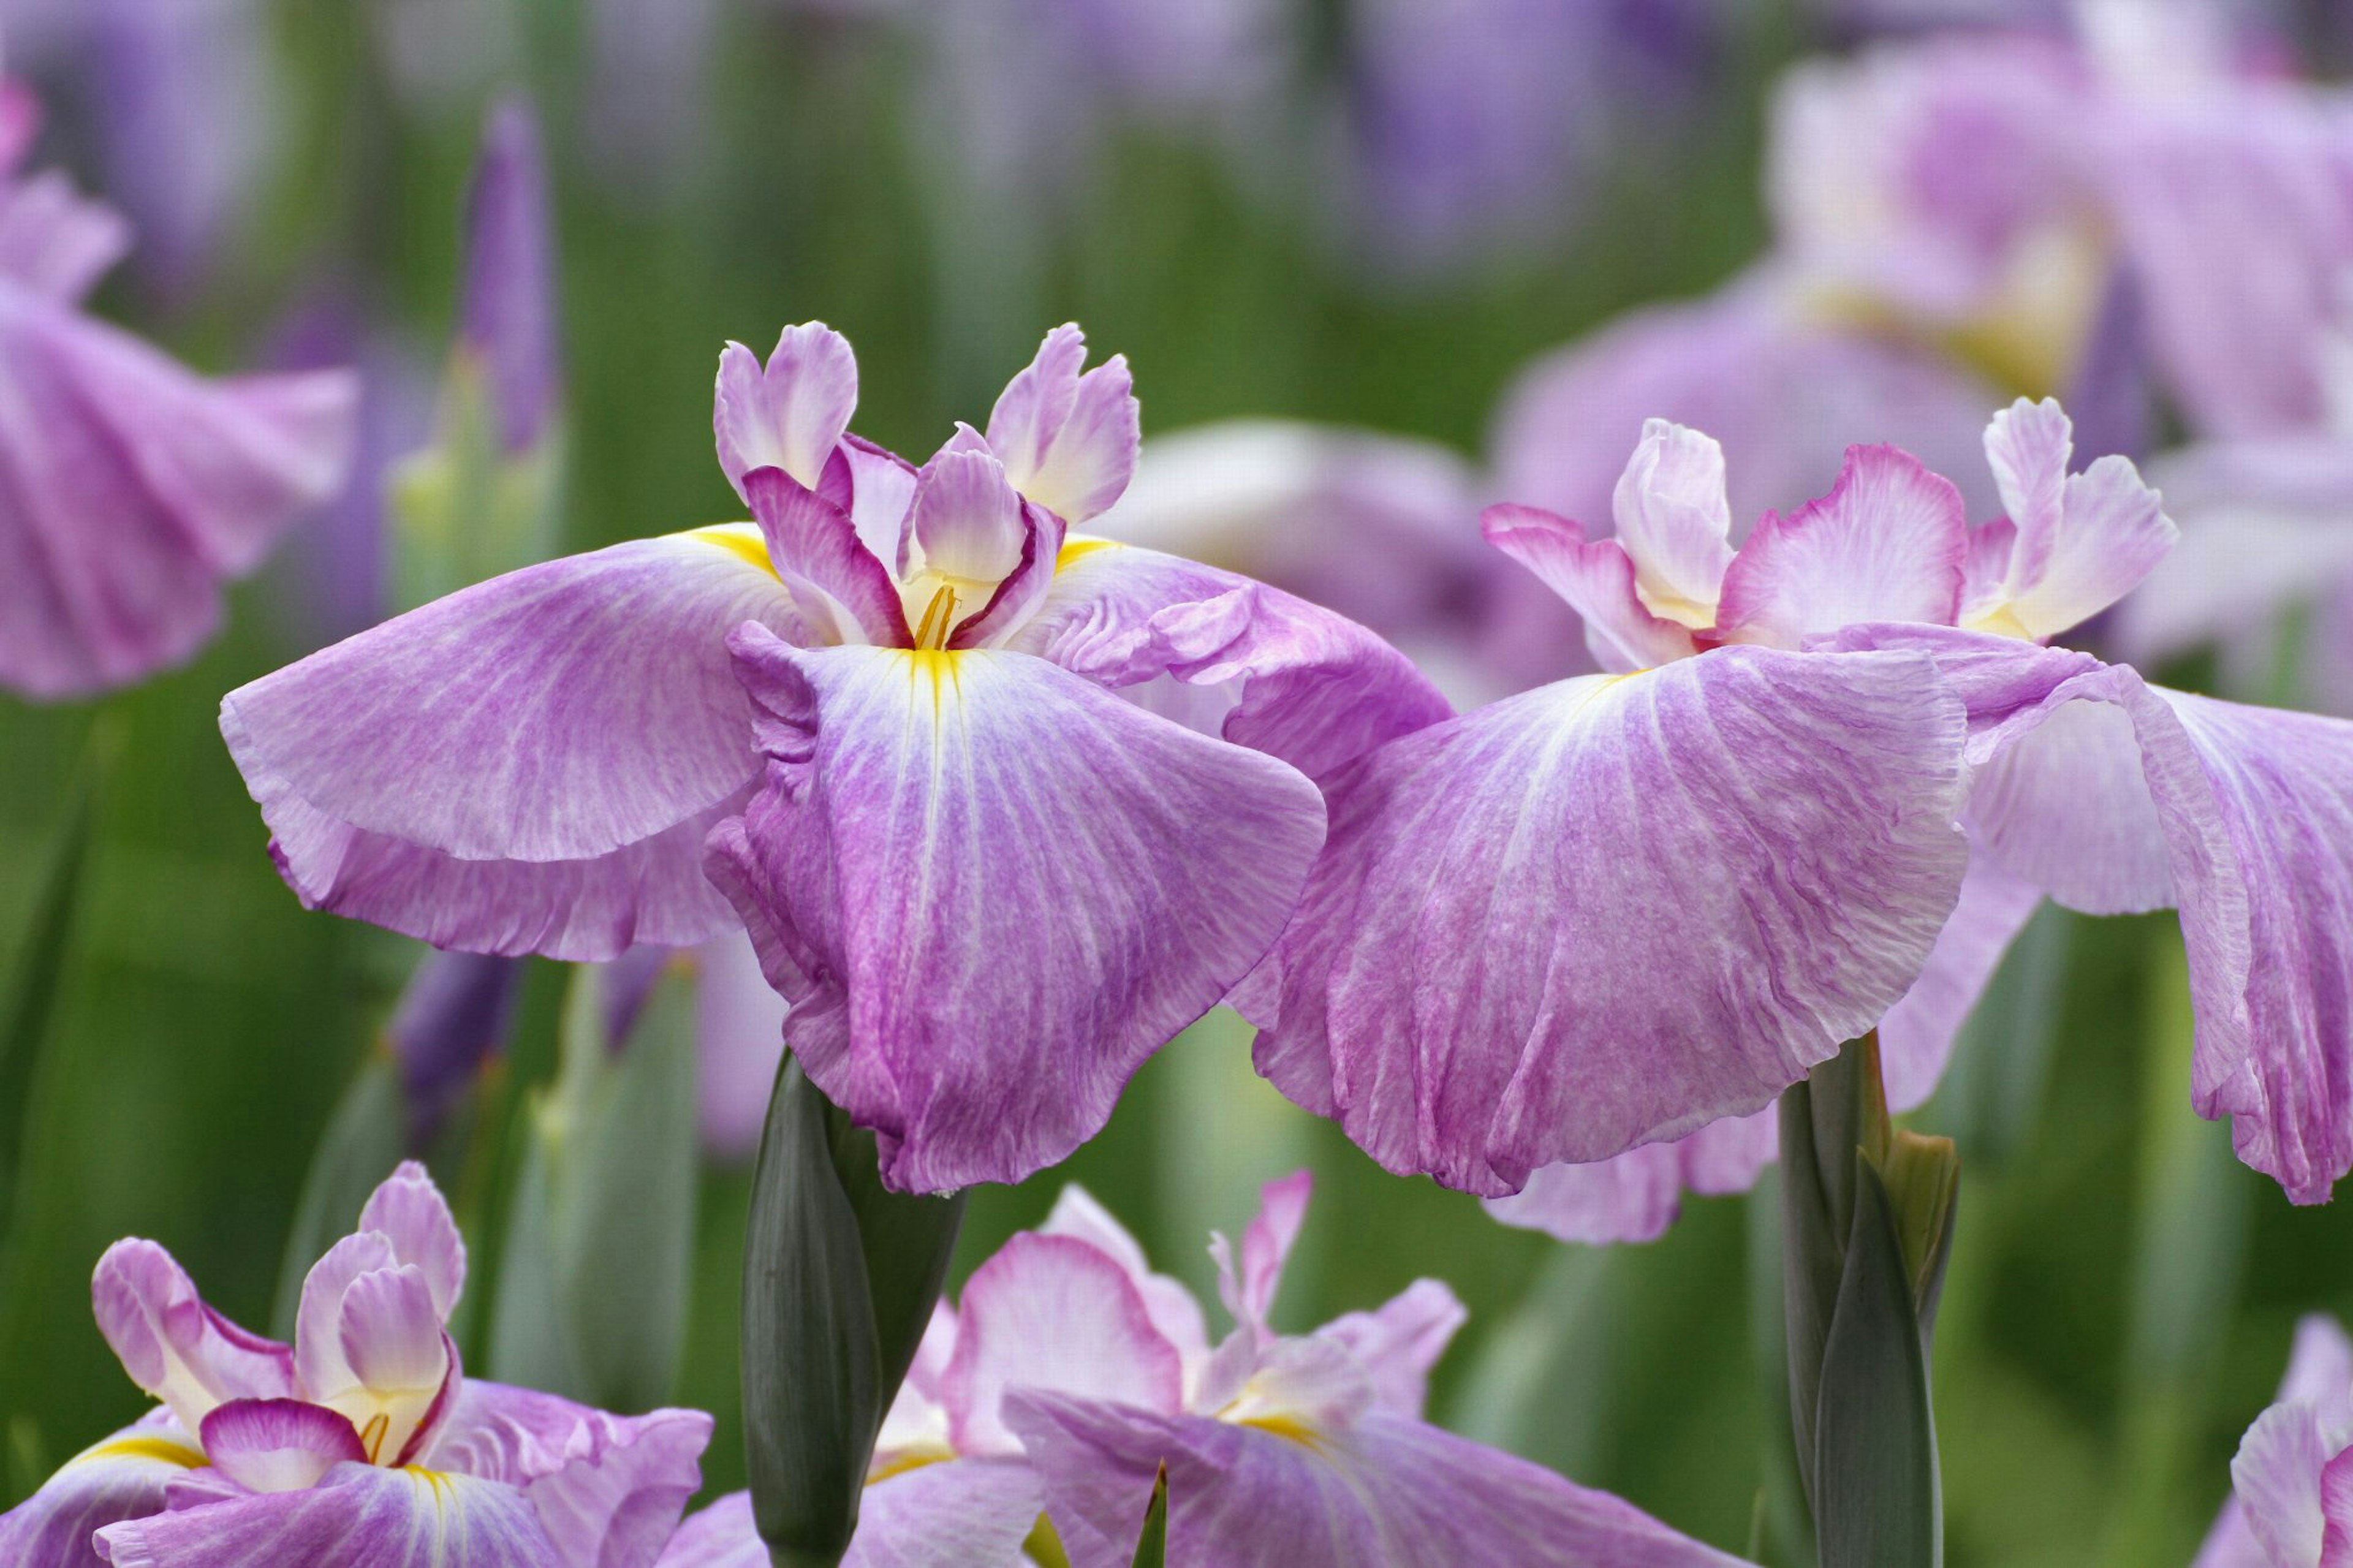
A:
(1636, 1195)
(322, 1370)
(961, 1514)
(279, 1444)
(788, 414)
(1051, 1313)
(2275, 1479)
(1888, 543)
(410, 1212)
(121, 1478)
(1597, 578)
(1387, 1490)
(1068, 441)
(990, 891)
(1173, 1311)
(1398, 1342)
(842, 591)
(1615, 909)
(1674, 522)
(172, 1344)
(2083, 541)
(966, 518)
(361, 1516)
(1916, 1039)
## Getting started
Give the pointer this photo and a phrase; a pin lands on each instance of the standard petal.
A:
(1389, 1491)
(279, 1444)
(965, 1513)
(991, 889)
(1597, 578)
(1636, 1195)
(172, 1344)
(322, 1370)
(1051, 1313)
(2083, 541)
(1398, 1342)
(789, 414)
(121, 1478)
(842, 591)
(1249, 1292)
(361, 1516)
(410, 1212)
(1888, 543)
(966, 518)
(1674, 522)
(1615, 909)
(1068, 441)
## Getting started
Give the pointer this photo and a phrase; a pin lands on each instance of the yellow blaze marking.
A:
(912, 1459)
(1079, 545)
(1289, 1426)
(162, 1450)
(742, 539)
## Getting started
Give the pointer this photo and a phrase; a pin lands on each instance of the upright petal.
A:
(410, 1212)
(966, 518)
(121, 1478)
(1674, 522)
(966, 1513)
(842, 591)
(321, 1369)
(990, 891)
(2083, 541)
(790, 413)
(1051, 1313)
(361, 1516)
(1398, 1342)
(1068, 441)
(1597, 579)
(1615, 909)
(1888, 543)
(1249, 1292)
(279, 1444)
(389, 768)
(172, 1344)
(1636, 1195)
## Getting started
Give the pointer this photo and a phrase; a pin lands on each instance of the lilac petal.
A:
(1388, 1490)
(1674, 522)
(2320, 1373)
(1916, 1039)
(56, 242)
(321, 1369)
(2230, 1543)
(1266, 1244)
(1273, 672)
(843, 592)
(1094, 880)
(509, 309)
(966, 518)
(1023, 589)
(133, 487)
(739, 1044)
(1068, 441)
(361, 1516)
(410, 1212)
(609, 1490)
(1636, 1195)
(1888, 543)
(121, 1478)
(965, 1513)
(2336, 1509)
(279, 1444)
(172, 1344)
(1597, 579)
(614, 664)
(1051, 1313)
(392, 1334)
(789, 414)
(2083, 541)
(1173, 1310)
(1398, 1342)
(915, 1427)
(1746, 846)
(2275, 1479)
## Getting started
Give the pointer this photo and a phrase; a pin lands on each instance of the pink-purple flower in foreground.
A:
(1040, 1408)
(1004, 807)
(131, 488)
(2292, 1483)
(361, 1444)
(1610, 911)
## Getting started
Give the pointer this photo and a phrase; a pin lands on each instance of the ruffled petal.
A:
(2083, 541)
(788, 414)
(842, 593)
(1674, 521)
(410, 1212)
(130, 488)
(1614, 910)
(1051, 1313)
(1888, 543)
(1091, 880)
(121, 1478)
(1068, 441)
(1597, 578)
(279, 1444)
(1173, 1311)
(361, 1516)
(1388, 1490)
(965, 1513)
(1398, 1342)
(1636, 1195)
(172, 1344)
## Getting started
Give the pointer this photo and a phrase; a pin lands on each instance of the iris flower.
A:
(1069, 1371)
(1612, 910)
(1003, 806)
(2291, 1482)
(131, 488)
(361, 1444)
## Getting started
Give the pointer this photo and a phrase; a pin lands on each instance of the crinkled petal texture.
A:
(991, 889)
(121, 1478)
(1615, 909)
(131, 488)
(961, 1514)
(528, 765)
(1386, 1491)
(361, 1516)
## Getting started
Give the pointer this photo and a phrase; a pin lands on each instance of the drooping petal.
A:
(1173, 1308)
(1674, 522)
(963, 1513)
(129, 489)
(1090, 879)
(739, 1043)
(789, 413)
(608, 1489)
(1398, 1342)
(172, 1344)
(322, 1370)
(527, 765)
(121, 1478)
(279, 1444)
(1636, 1195)
(2083, 541)
(1388, 1490)
(410, 1212)
(842, 591)
(1597, 578)
(1888, 543)
(1068, 441)
(1916, 1039)
(1051, 1313)
(1615, 909)
(361, 1516)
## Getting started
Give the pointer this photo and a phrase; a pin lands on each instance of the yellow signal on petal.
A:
(739, 539)
(162, 1450)
(1079, 546)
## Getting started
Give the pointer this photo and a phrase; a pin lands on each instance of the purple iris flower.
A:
(1040, 1409)
(1610, 911)
(2291, 1482)
(1004, 807)
(133, 487)
(360, 1444)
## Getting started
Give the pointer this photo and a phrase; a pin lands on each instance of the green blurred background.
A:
(2122, 1292)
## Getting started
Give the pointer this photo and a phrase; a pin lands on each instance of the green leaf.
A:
(1876, 1499)
(41, 966)
(1813, 1259)
(462, 509)
(1152, 1547)
(359, 1149)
